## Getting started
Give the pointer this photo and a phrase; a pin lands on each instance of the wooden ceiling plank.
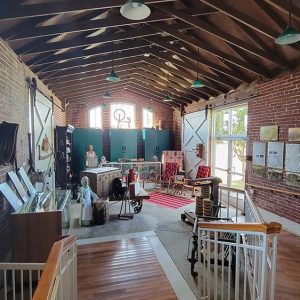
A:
(241, 17)
(90, 25)
(43, 73)
(80, 53)
(8, 9)
(36, 47)
(214, 51)
(143, 77)
(284, 7)
(158, 72)
(182, 53)
(227, 37)
(183, 75)
(70, 74)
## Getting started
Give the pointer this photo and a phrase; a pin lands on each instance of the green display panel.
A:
(82, 138)
(123, 144)
(154, 142)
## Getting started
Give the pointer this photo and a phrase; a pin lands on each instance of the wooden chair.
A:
(168, 176)
(193, 184)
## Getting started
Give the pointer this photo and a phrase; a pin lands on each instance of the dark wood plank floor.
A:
(288, 267)
(126, 269)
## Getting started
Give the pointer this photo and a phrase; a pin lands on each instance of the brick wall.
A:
(277, 103)
(78, 114)
(14, 107)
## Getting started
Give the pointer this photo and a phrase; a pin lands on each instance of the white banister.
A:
(233, 260)
(18, 279)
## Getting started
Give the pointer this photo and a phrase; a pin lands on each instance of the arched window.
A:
(96, 117)
(147, 118)
(122, 115)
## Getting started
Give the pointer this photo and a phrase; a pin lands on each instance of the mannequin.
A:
(90, 153)
(86, 196)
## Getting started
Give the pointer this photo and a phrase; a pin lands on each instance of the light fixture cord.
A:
(198, 65)
(112, 62)
(290, 12)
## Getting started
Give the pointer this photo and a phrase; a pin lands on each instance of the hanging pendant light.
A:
(167, 98)
(197, 83)
(135, 10)
(107, 94)
(289, 35)
(103, 105)
(112, 76)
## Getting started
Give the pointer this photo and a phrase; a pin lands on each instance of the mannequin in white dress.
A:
(86, 196)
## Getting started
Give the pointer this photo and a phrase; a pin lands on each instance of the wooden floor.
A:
(288, 267)
(126, 269)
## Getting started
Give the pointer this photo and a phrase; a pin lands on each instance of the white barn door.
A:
(43, 141)
(195, 131)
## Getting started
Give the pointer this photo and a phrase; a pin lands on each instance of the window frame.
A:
(147, 111)
(101, 117)
(133, 126)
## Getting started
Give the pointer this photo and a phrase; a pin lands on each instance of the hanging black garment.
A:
(8, 141)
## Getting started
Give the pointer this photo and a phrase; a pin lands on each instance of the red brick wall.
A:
(277, 103)
(14, 107)
(78, 114)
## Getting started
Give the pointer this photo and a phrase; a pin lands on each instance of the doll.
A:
(86, 196)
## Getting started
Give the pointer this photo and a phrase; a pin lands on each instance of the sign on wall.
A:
(275, 155)
(259, 154)
(269, 133)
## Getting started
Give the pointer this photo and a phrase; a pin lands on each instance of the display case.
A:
(145, 169)
(37, 224)
(63, 149)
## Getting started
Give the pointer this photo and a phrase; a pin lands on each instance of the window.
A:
(96, 117)
(229, 145)
(147, 118)
(122, 115)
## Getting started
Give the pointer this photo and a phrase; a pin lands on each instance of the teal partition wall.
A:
(123, 143)
(82, 138)
(154, 142)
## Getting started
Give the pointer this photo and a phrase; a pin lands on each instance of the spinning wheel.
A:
(119, 115)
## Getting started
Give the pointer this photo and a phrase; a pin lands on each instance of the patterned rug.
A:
(169, 201)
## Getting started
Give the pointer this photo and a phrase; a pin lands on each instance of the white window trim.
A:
(147, 111)
(123, 103)
(101, 117)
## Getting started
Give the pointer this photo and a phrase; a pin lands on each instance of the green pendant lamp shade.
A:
(149, 108)
(112, 76)
(167, 98)
(135, 10)
(197, 83)
(103, 105)
(289, 35)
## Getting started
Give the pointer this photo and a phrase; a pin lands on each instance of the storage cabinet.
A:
(82, 138)
(155, 142)
(123, 144)
(63, 148)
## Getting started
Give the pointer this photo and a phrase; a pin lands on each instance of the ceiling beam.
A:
(284, 7)
(36, 47)
(88, 71)
(214, 51)
(9, 10)
(241, 17)
(91, 25)
(80, 53)
(226, 37)
(176, 50)
(185, 75)
(46, 73)
(163, 89)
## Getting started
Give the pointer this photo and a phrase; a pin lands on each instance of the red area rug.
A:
(169, 201)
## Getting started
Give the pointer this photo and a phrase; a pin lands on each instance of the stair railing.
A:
(59, 278)
(233, 260)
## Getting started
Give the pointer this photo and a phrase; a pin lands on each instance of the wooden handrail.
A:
(47, 281)
(273, 190)
(268, 228)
